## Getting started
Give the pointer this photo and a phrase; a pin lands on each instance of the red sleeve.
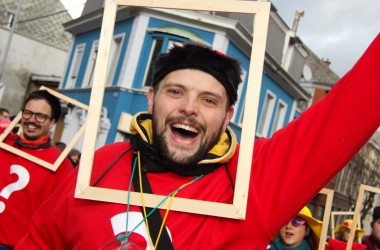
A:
(290, 168)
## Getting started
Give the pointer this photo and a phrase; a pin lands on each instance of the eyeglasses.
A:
(297, 221)
(27, 114)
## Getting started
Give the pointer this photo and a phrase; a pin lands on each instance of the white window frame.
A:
(149, 62)
(266, 114)
(89, 75)
(240, 101)
(114, 56)
(75, 65)
(279, 116)
(9, 19)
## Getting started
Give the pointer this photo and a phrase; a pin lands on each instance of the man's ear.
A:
(228, 117)
(150, 97)
(52, 123)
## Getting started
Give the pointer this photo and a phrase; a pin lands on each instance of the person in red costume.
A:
(342, 233)
(372, 241)
(184, 139)
(24, 185)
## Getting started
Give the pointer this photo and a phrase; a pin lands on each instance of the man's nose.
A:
(190, 105)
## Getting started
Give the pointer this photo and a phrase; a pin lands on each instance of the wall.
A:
(26, 56)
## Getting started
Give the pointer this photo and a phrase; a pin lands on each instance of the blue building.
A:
(142, 33)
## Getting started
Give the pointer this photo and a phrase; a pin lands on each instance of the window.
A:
(75, 65)
(112, 64)
(266, 114)
(158, 46)
(240, 101)
(114, 58)
(154, 51)
(9, 19)
(321, 211)
(242, 115)
(279, 117)
(89, 77)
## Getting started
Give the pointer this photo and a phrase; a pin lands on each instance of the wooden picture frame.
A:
(337, 213)
(329, 199)
(236, 210)
(52, 166)
(355, 220)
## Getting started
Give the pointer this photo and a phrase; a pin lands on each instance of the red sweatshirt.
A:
(288, 170)
(24, 186)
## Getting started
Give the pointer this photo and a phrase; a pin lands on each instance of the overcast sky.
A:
(334, 29)
(74, 7)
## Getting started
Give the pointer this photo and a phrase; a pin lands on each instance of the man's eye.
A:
(174, 91)
(210, 101)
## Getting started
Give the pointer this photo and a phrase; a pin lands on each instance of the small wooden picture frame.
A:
(32, 158)
(237, 210)
(329, 199)
(356, 219)
(338, 213)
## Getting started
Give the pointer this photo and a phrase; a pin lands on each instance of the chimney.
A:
(297, 20)
(326, 62)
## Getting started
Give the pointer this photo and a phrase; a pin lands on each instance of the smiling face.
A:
(293, 236)
(32, 129)
(190, 110)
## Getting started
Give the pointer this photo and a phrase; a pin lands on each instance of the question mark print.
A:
(23, 180)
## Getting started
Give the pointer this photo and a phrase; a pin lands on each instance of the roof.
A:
(40, 20)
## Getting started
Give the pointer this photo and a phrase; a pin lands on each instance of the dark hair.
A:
(195, 56)
(3, 110)
(376, 213)
(53, 101)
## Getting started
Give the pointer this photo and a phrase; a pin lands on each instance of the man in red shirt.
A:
(25, 185)
(184, 140)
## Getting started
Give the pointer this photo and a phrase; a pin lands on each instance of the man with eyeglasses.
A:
(25, 185)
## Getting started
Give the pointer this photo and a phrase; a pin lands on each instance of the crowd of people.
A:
(183, 145)
(303, 232)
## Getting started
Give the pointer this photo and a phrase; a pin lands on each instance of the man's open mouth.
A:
(184, 130)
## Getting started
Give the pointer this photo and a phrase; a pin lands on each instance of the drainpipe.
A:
(6, 50)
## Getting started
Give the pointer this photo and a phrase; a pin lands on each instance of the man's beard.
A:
(161, 145)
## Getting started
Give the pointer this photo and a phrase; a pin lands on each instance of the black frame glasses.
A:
(27, 114)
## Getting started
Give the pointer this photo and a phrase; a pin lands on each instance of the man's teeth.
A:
(185, 127)
(31, 126)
